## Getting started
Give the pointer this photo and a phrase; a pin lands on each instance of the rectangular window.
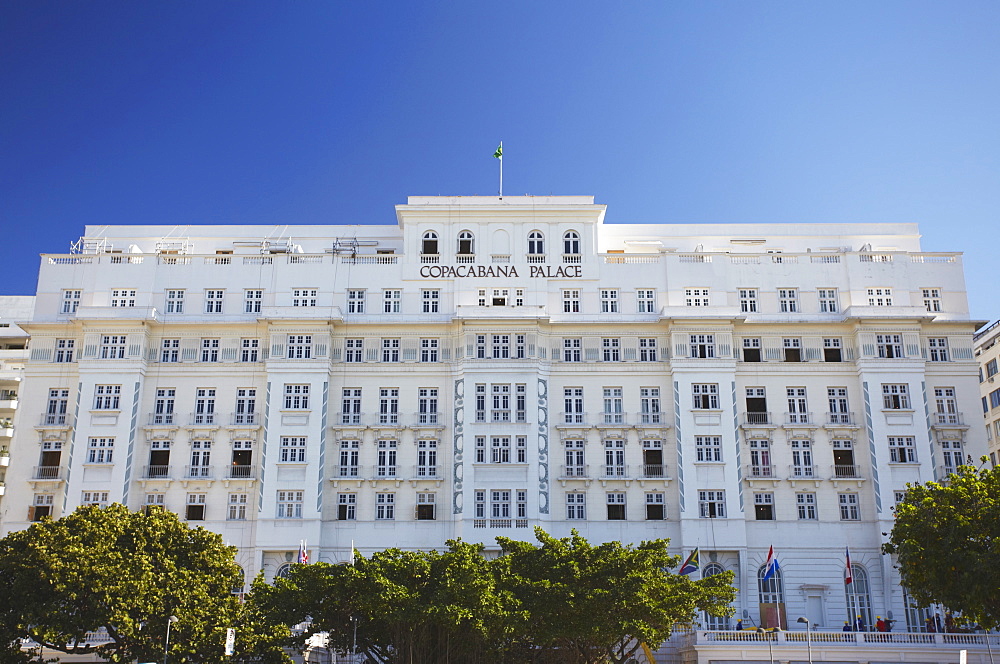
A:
(425, 507)
(609, 301)
(112, 346)
(614, 408)
(249, 350)
(788, 300)
(932, 299)
(347, 506)
(209, 350)
(65, 349)
(995, 399)
(805, 504)
(763, 506)
(350, 411)
(570, 298)
(937, 349)
(430, 300)
(41, 507)
(213, 301)
(175, 301)
(386, 452)
(576, 506)
(107, 397)
(748, 300)
(708, 448)
(616, 506)
(356, 301)
(712, 504)
(501, 346)
(70, 301)
(246, 406)
(572, 350)
(793, 349)
(612, 349)
(705, 396)
(501, 402)
(832, 350)
(163, 407)
(879, 297)
(836, 398)
(299, 346)
(123, 297)
(391, 301)
(290, 504)
(500, 504)
(828, 300)
(991, 368)
(702, 345)
(798, 405)
(849, 508)
(889, 345)
(353, 350)
(751, 349)
(237, 507)
(427, 405)
(573, 405)
(253, 301)
(647, 349)
(58, 403)
(696, 297)
(500, 449)
(304, 297)
(388, 405)
(100, 450)
(296, 397)
(293, 449)
(390, 350)
(895, 396)
(350, 451)
(170, 350)
(427, 458)
(902, 449)
(204, 405)
(614, 458)
(646, 301)
(649, 405)
(195, 507)
(385, 506)
(655, 507)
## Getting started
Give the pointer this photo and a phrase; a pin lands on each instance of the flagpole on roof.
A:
(499, 155)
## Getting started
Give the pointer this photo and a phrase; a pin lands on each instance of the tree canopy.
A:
(563, 600)
(947, 542)
(127, 573)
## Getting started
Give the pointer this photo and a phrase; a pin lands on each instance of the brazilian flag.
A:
(499, 153)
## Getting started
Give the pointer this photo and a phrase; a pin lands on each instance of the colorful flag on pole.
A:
(771, 566)
(499, 153)
(303, 554)
(848, 573)
(691, 564)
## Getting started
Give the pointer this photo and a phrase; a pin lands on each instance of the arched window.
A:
(714, 622)
(466, 243)
(536, 243)
(859, 597)
(283, 571)
(771, 596)
(430, 243)
(571, 243)
(916, 618)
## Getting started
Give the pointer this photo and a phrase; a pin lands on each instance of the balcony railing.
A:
(615, 472)
(430, 258)
(240, 472)
(499, 523)
(47, 473)
(761, 471)
(55, 419)
(386, 472)
(199, 472)
(427, 418)
(573, 418)
(948, 418)
(798, 418)
(157, 472)
(572, 258)
(426, 472)
(576, 471)
(245, 418)
(849, 472)
(348, 471)
(351, 419)
(654, 471)
(534, 258)
(613, 417)
(840, 418)
(204, 418)
(465, 258)
(756, 418)
(652, 418)
(802, 472)
(162, 418)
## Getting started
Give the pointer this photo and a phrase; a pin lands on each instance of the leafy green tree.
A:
(584, 604)
(126, 572)
(947, 542)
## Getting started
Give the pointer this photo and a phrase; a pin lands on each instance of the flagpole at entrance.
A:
(499, 155)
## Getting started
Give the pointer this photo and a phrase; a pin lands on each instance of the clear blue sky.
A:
(332, 112)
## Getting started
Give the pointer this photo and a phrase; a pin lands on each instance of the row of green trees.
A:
(560, 600)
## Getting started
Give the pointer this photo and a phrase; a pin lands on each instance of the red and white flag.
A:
(848, 574)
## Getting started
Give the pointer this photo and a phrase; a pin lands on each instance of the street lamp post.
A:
(770, 653)
(808, 638)
(166, 646)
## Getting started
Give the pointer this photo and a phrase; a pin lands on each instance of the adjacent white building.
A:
(988, 355)
(490, 365)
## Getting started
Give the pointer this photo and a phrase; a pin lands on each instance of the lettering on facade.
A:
(508, 271)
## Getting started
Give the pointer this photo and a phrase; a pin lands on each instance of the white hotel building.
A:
(490, 365)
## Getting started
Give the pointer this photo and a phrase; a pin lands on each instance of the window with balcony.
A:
(614, 410)
(386, 453)
(836, 398)
(163, 406)
(760, 458)
(573, 405)
(350, 411)
(946, 406)
(388, 405)
(802, 459)
(798, 405)
(427, 458)
(350, 451)
(466, 244)
(429, 244)
(204, 405)
(614, 458)
(649, 405)
(57, 406)
(536, 245)
(571, 244)
(576, 459)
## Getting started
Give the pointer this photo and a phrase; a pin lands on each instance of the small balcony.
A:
(576, 419)
(245, 419)
(761, 471)
(651, 418)
(654, 471)
(846, 472)
(156, 472)
(576, 472)
(572, 259)
(241, 472)
(618, 418)
(799, 418)
(757, 418)
(465, 259)
(430, 259)
(350, 419)
(615, 472)
(426, 473)
(50, 473)
(500, 523)
(161, 419)
(386, 473)
(847, 419)
(947, 419)
(799, 472)
(428, 418)
(347, 472)
(199, 472)
(534, 259)
(55, 420)
(204, 418)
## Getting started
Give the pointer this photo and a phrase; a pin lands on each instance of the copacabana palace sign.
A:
(507, 271)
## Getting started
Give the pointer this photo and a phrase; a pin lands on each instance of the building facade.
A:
(13, 353)
(988, 354)
(490, 365)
